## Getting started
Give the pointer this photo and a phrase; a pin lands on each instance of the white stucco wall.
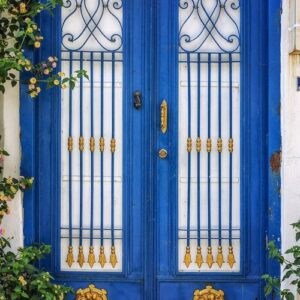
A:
(10, 127)
(290, 131)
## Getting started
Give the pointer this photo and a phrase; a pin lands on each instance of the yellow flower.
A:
(13, 189)
(32, 80)
(2, 213)
(37, 44)
(33, 94)
(23, 9)
(30, 180)
(29, 30)
(9, 180)
(61, 74)
(22, 280)
(31, 87)
(64, 86)
(34, 27)
(38, 89)
(56, 82)
(28, 68)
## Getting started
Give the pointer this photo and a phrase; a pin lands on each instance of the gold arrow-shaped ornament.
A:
(102, 258)
(187, 258)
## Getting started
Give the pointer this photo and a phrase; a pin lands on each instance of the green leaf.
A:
(2, 89)
(20, 33)
(289, 296)
(287, 275)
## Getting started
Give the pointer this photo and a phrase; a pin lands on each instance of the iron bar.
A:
(91, 258)
(220, 259)
(209, 258)
(198, 150)
(113, 258)
(231, 259)
(70, 256)
(102, 258)
(81, 146)
(187, 258)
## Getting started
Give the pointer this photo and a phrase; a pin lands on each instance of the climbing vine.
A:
(20, 33)
(20, 36)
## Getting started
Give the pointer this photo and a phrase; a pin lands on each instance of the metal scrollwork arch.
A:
(92, 25)
(209, 14)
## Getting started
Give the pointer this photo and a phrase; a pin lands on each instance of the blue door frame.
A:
(154, 56)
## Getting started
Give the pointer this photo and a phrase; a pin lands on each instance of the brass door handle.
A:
(164, 116)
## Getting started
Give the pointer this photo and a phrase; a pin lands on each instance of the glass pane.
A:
(91, 138)
(209, 136)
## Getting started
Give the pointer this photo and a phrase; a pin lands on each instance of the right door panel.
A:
(210, 185)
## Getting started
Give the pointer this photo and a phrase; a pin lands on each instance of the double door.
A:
(153, 180)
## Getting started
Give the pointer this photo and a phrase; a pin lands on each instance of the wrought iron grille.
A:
(209, 136)
(91, 197)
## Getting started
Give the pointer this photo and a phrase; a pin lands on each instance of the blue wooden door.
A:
(150, 175)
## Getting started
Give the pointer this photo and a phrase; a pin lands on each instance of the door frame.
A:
(269, 78)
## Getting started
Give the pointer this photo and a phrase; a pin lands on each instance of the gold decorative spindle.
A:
(198, 144)
(189, 145)
(230, 145)
(113, 257)
(91, 258)
(70, 144)
(220, 145)
(102, 258)
(187, 258)
(92, 144)
(199, 258)
(220, 258)
(209, 257)
(81, 143)
(91, 293)
(113, 145)
(231, 259)
(101, 144)
(208, 145)
(208, 294)
(70, 257)
(80, 259)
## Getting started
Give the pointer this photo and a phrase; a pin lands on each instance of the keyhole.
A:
(137, 99)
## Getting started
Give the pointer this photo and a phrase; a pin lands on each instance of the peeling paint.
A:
(275, 161)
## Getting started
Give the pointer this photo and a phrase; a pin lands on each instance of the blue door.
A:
(150, 176)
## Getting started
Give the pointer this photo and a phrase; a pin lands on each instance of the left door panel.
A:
(89, 190)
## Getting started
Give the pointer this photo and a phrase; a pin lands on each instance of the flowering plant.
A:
(8, 189)
(20, 279)
(20, 31)
(291, 268)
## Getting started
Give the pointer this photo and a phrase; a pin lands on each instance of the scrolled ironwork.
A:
(210, 15)
(90, 18)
